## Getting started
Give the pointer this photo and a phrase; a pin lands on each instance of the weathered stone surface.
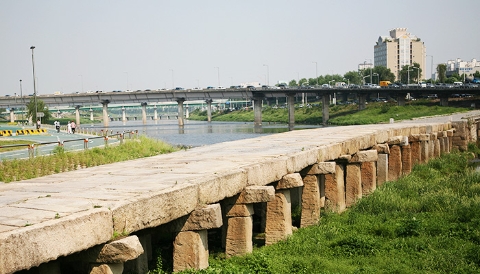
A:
(266, 172)
(214, 189)
(382, 169)
(190, 250)
(394, 163)
(369, 177)
(54, 238)
(320, 168)
(424, 151)
(416, 155)
(120, 251)
(310, 201)
(353, 184)
(382, 148)
(239, 210)
(335, 189)
(364, 156)
(256, 194)
(290, 181)
(106, 268)
(406, 154)
(437, 148)
(345, 157)
(207, 217)
(239, 236)
(279, 218)
(398, 140)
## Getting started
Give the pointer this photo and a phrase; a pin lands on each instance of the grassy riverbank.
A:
(426, 222)
(339, 114)
(61, 161)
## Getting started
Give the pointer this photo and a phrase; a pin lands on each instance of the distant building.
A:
(399, 49)
(462, 67)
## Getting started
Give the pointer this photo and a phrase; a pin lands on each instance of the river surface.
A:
(197, 133)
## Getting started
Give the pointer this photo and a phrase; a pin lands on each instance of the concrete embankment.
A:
(59, 219)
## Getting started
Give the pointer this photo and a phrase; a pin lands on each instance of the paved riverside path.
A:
(44, 218)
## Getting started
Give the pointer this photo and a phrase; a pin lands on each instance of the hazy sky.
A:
(151, 44)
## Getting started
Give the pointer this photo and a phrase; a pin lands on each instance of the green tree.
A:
(476, 75)
(442, 72)
(353, 77)
(293, 83)
(379, 73)
(302, 81)
(41, 107)
(414, 72)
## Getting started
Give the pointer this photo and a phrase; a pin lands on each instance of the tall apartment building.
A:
(399, 49)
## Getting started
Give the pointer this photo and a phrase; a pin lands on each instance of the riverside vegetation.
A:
(61, 160)
(339, 114)
(426, 222)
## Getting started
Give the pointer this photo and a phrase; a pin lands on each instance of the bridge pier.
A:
(77, 115)
(291, 110)
(105, 112)
(257, 110)
(144, 112)
(124, 116)
(209, 109)
(180, 112)
(325, 105)
(155, 113)
(362, 99)
(12, 115)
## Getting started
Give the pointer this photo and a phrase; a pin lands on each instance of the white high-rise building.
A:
(399, 49)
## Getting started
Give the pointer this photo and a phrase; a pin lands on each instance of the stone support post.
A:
(353, 184)
(424, 147)
(406, 154)
(335, 189)
(432, 147)
(382, 168)
(238, 213)
(190, 250)
(310, 201)
(394, 163)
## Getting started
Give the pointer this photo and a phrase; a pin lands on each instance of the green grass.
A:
(61, 161)
(426, 222)
(13, 142)
(339, 114)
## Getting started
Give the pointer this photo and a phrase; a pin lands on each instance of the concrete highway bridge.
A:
(107, 219)
(145, 98)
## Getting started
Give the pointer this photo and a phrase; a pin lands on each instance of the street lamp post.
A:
(34, 83)
(21, 96)
(268, 75)
(218, 75)
(431, 69)
(316, 71)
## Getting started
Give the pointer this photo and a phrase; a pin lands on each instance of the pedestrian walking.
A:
(74, 126)
(69, 128)
(57, 126)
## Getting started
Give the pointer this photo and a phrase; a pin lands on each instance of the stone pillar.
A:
(313, 193)
(77, 115)
(106, 119)
(415, 151)
(190, 250)
(353, 184)
(110, 257)
(450, 133)
(279, 211)
(325, 105)
(291, 110)
(382, 168)
(190, 247)
(209, 109)
(238, 213)
(180, 112)
(424, 147)
(369, 177)
(401, 100)
(406, 154)
(335, 189)
(431, 145)
(144, 112)
(353, 178)
(394, 163)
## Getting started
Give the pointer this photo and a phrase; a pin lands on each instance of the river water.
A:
(197, 133)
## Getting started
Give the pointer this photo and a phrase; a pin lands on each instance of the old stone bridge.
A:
(70, 222)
